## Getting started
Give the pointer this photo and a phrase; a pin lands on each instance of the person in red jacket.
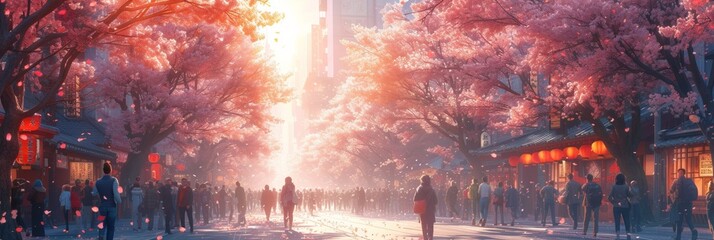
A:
(75, 198)
(184, 201)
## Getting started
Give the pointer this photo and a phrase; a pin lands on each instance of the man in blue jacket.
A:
(107, 188)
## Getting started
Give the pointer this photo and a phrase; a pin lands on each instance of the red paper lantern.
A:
(28, 151)
(544, 156)
(154, 157)
(156, 171)
(556, 154)
(571, 152)
(535, 158)
(598, 147)
(585, 151)
(513, 161)
(526, 159)
(31, 123)
(181, 167)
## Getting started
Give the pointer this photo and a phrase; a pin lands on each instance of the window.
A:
(485, 139)
(72, 106)
(81, 171)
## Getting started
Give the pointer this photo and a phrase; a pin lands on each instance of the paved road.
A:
(338, 225)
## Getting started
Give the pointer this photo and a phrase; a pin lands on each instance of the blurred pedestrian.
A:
(451, 200)
(635, 206)
(683, 192)
(241, 204)
(287, 200)
(572, 199)
(16, 197)
(88, 221)
(498, 202)
(137, 197)
(167, 205)
(592, 201)
(184, 203)
(512, 202)
(107, 188)
(549, 194)
(151, 203)
(266, 202)
(66, 205)
(484, 194)
(427, 218)
(37, 197)
(474, 197)
(620, 199)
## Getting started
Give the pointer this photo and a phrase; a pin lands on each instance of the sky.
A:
(288, 42)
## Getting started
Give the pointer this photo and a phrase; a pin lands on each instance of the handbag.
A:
(420, 206)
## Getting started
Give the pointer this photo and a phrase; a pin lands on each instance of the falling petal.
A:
(37, 73)
(63, 145)
(182, 229)
(2, 220)
(8, 137)
(62, 12)
(100, 225)
(120, 189)
(47, 212)
(18, 229)
(95, 209)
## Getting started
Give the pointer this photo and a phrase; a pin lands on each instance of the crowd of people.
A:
(170, 203)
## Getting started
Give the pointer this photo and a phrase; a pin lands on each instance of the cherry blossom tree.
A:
(41, 41)
(432, 72)
(195, 83)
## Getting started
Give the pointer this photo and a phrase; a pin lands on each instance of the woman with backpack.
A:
(425, 205)
(619, 197)
(592, 202)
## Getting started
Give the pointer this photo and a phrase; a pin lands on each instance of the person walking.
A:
(620, 199)
(206, 200)
(451, 200)
(266, 202)
(512, 202)
(87, 204)
(428, 217)
(222, 202)
(151, 203)
(683, 192)
(76, 203)
(174, 197)
(241, 204)
(16, 197)
(572, 199)
(635, 206)
(66, 205)
(484, 194)
(498, 202)
(710, 206)
(287, 201)
(549, 194)
(592, 201)
(168, 205)
(107, 188)
(37, 197)
(137, 197)
(184, 203)
(474, 197)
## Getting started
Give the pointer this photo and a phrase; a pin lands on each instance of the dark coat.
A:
(426, 192)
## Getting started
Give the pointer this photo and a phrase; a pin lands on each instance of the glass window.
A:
(689, 159)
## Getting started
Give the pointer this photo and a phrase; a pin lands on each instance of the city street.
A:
(339, 225)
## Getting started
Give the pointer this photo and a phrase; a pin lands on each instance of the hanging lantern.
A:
(526, 159)
(544, 156)
(571, 152)
(513, 161)
(586, 152)
(535, 158)
(181, 167)
(156, 171)
(556, 154)
(154, 157)
(31, 123)
(598, 147)
(28, 150)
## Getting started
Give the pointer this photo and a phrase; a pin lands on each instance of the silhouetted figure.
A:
(426, 193)
(287, 200)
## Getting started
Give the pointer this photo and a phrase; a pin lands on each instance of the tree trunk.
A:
(135, 163)
(8, 154)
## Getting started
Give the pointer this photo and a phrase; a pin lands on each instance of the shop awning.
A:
(84, 147)
(685, 134)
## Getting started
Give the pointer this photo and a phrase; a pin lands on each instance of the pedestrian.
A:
(167, 204)
(466, 204)
(137, 197)
(538, 208)
(16, 197)
(107, 188)
(174, 197)
(87, 204)
(184, 203)
(572, 199)
(425, 198)
(287, 200)
(451, 200)
(474, 197)
(222, 202)
(498, 202)
(710, 206)
(549, 193)
(37, 197)
(635, 206)
(206, 200)
(76, 203)
(266, 202)
(619, 197)
(683, 192)
(484, 193)
(66, 205)
(592, 202)
(150, 204)
(512, 202)
(241, 204)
